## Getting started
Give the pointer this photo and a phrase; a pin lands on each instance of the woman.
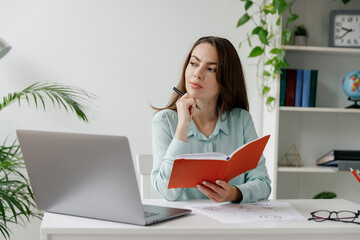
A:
(213, 80)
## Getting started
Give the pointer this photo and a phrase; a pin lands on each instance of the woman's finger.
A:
(193, 100)
(209, 193)
(214, 187)
(222, 184)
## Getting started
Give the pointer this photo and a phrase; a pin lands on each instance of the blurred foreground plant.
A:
(16, 197)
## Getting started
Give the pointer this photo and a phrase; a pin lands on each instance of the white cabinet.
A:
(316, 131)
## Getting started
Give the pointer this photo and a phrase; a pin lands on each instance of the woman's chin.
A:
(194, 93)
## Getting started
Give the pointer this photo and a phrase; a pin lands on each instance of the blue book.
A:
(305, 101)
(282, 87)
(298, 88)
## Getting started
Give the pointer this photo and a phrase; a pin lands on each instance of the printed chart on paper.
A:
(249, 212)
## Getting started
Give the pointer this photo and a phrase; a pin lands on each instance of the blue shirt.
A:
(231, 131)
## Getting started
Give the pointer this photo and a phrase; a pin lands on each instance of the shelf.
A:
(326, 50)
(319, 110)
(308, 169)
(329, 125)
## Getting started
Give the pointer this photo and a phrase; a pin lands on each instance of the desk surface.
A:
(199, 226)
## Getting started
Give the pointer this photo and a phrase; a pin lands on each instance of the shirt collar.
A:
(221, 125)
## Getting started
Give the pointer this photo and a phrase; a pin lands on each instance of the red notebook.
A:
(191, 169)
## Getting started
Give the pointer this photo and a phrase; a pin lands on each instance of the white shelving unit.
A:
(316, 131)
(318, 109)
(325, 50)
(307, 169)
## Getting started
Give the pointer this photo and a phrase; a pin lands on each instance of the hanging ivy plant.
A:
(264, 38)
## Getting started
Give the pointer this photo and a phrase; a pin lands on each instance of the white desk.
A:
(196, 226)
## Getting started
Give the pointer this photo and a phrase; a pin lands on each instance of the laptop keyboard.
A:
(150, 214)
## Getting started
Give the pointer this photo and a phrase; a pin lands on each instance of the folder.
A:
(343, 165)
(339, 155)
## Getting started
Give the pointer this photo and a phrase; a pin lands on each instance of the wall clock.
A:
(344, 28)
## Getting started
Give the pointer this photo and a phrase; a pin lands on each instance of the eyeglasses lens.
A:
(346, 216)
(320, 216)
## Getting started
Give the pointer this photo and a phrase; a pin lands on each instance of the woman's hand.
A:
(220, 191)
(186, 108)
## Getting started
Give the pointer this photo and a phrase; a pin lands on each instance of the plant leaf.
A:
(16, 198)
(280, 5)
(243, 20)
(67, 97)
(265, 90)
(269, 100)
(270, 36)
(274, 51)
(269, 9)
(286, 34)
(263, 36)
(267, 74)
(4, 231)
(256, 30)
(345, 1)
(2, 211)
(256, 52)
(283, 64)
(291, 17)
(277, 70)
(248, 4)
(262, 33)
(249, 40)
(268, 62)
(281, 54)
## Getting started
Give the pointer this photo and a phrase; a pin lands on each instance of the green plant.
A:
(266, 38)
(266, 17)
(300, 30)
(325, 195)
(16, 197)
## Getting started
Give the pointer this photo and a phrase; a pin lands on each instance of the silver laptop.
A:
(87, 175)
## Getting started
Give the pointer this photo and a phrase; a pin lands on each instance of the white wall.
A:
(129, 53)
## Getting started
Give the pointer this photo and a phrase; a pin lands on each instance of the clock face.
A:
(346, 30)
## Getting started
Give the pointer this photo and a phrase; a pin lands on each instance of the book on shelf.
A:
(339, 155)
(306, 88)
(298, 87)
(343, 165)
(189, 170)
(290, 87)
(283, 86)
(313, 87)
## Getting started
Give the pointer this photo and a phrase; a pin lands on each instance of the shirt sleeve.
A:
(257, 182)
(165, 149)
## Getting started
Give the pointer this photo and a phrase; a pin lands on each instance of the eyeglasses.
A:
(340, 216)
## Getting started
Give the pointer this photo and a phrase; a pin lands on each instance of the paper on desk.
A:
(248, 212)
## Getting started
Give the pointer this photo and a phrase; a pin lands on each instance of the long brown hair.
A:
(229, 75)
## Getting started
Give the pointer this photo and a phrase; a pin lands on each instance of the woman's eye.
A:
(212, 69)
(193, 64)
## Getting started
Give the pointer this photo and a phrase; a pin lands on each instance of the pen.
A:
(356, 176)
(181, 94)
